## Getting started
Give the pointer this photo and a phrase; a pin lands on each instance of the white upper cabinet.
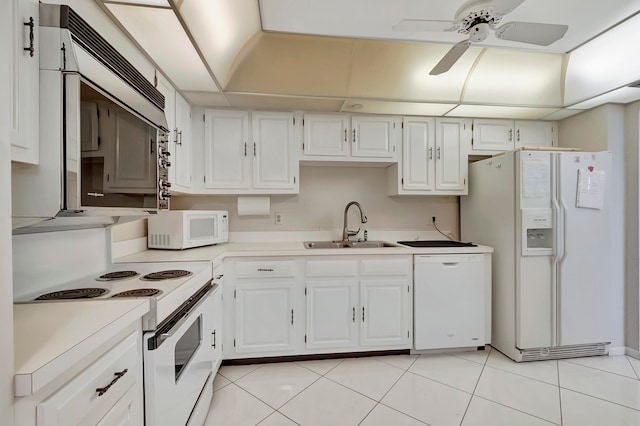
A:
(178, 114)
(507, 135)
(493, 135)
(274, 159)
(249, 153)
(25, 85)
(227, 161)
(374, 136)
(345, 138)
(452, 144)
(535, 134)
(434, 157)
(182, 145)
(326, 135)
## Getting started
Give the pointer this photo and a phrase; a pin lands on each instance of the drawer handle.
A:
(31, 25)
(265, 270)
(102, 391)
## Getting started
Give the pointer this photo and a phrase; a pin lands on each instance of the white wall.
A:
(602, 129)
(324, 193)
(6, 297)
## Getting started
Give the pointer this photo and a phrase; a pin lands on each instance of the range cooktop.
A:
(436, 243)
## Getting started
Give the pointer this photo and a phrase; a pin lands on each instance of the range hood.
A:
(76, 63)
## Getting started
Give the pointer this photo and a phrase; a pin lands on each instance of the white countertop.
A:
(292, 248)
(51, 337)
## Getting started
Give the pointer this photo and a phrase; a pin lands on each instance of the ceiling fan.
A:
(477, 18)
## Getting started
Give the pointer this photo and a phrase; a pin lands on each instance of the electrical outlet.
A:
(277, 218)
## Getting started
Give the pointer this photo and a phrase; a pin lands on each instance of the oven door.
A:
(178, 360)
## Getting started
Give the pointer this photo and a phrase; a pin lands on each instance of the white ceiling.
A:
(374, 19)
(326, 55)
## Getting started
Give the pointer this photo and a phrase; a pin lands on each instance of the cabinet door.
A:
(418, 172)
(123, 159)
(25, 76)
(535, 133)
(216, 335)
(384, 312)
(274, 159)
(326, 135)
(264, 317)
(331, 313)
(374, 136)
(182, 157)
(227, 161)
(493, 135)
(128, 411)
(169, 93)
(451, 155)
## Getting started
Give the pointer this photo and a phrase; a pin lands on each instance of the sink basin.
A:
(347, 244)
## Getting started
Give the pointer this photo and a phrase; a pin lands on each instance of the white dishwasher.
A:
(448, 301)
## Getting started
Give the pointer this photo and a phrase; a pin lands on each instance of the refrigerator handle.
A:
(558, 246)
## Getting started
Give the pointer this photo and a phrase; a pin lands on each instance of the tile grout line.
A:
(559, 392)
(601, 399)
(569, 360)
(475, 387)
(516, 409)
(389, 390)
(632, 368)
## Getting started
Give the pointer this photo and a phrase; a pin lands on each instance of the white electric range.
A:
(167, 285)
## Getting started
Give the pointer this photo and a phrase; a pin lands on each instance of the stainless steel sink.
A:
(347, 244)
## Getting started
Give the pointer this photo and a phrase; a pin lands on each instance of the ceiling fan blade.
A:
(423, 25)
(502, 7)
(451, 57)
(532, 33)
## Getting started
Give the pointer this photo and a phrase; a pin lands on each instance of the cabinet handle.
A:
(102, 391)
(430, 153)
(292, 317)
(178, 137)
(254, 149)
(214, 339)
(354, 314)
(345, 135)
(363, 314)
(438, 154)
(245, 149)
(518, 135)
(264, 269)
(31, 25)
(354, 135)
(510, 134)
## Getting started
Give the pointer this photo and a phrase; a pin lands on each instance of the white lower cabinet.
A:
(107, 392)
(264, 317)
(304, 305)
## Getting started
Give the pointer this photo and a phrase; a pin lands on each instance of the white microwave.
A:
(182, 229)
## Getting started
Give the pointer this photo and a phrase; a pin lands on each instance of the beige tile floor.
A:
(475, 388)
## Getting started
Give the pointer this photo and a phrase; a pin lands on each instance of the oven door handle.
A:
(179, 318)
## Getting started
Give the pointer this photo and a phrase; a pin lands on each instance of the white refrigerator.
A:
(545, 214)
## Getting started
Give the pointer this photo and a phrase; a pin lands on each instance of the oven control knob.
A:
(165, 153)
(165, 184)
(165, 194)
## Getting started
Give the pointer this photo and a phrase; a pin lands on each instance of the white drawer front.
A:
(79, 402)
(266, 269)
(385, 267)
(332, 268)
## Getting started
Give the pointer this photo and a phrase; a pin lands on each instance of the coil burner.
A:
(139, 292)
(117, 275)
(75, 293)
(167, 275)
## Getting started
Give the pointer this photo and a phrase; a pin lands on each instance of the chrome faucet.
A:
(346, 233)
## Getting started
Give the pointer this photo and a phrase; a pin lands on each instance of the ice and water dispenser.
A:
(537, 230)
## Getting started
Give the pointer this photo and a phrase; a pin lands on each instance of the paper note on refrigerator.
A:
(536, 177)
(591, 186)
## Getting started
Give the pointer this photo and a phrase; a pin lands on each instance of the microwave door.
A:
(118, 151)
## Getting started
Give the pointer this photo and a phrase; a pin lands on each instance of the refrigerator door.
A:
(583, 247)
(535, 319)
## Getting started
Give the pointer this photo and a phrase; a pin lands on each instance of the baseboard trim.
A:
(618, 350)
(127, 247)
(633, 353)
